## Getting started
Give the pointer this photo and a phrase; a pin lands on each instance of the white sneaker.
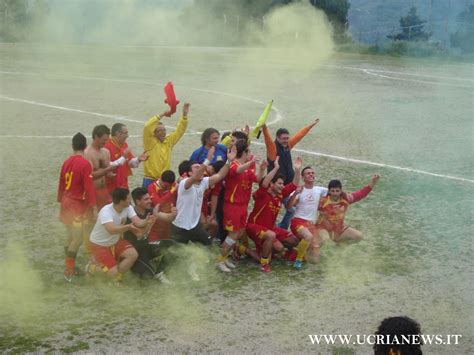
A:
(229, 264)
(162, 277)
(222, 266)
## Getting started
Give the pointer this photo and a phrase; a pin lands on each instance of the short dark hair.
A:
(276, 177)
(116, 128)
(168, 176)
(398, 326)
(241, 147)
(217, 166)
(184, 167)
(138, 193)
(79, 142)
(191, 163)
(240, 135)
(334, 184)
(281, 131)
(119, 194)
(208, 132)
(100, 130)
(304, 169)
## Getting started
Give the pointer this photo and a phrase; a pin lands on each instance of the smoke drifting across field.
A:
(297, 26)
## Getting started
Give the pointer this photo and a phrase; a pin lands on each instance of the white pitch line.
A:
(358, 161)
(309, 152)
(421, 75)
(366, 162)
(278, 117)
(56, 107)
(370, 72)
(399, 73)
(52, 137)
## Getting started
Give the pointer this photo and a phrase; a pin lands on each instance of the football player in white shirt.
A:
(113, 253)
(306, 200)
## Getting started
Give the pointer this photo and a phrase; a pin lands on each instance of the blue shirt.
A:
(200, 154)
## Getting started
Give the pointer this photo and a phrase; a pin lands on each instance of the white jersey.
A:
(108, 214)
(189, 204)
(308, 202)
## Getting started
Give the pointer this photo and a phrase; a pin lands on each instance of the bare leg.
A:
(128, 258)
(74, 241)
(267, 246)
(321, 236)
(351, 235)
(226, 246)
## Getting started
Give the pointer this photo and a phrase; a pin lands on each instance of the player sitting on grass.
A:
(306, 199)
(261, 226)
(333, 208)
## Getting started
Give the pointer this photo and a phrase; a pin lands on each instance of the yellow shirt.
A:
(160, 152)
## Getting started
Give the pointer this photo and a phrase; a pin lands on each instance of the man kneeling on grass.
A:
(148, 250)
(113, 254)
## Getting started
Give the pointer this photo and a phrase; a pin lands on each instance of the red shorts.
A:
(235, 217)
(298, 223)
(108, 256)
(102, 197)
(74, 212)
(256, 231)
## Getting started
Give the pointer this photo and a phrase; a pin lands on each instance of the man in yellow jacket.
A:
(158, 145)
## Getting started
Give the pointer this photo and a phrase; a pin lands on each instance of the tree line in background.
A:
(20, 18)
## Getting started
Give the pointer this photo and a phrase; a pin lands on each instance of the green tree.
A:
(19, 18)
(13, 15)
(336, 11)
(463, 38)
(412, 28)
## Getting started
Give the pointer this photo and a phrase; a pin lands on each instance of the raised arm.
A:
(174, 137)
(294, 199)
(248, 164)
(197, 175)
(297, 167)
(269, 143)
(362, 193)
(262, 169)
(266, 181)
(149, 139)
(214, 179)
(301, 133)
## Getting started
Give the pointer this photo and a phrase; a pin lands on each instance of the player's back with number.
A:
(75, 181)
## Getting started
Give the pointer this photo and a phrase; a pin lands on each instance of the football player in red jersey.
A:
(261, 223)
(332, 210)
(77, 197)
(163, 192)
(121, 156)
(238, 190)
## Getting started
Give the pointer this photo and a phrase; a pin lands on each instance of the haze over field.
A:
(409, 120)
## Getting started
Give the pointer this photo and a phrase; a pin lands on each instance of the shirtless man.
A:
(100, 160)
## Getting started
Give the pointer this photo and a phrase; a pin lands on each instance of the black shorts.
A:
(196, 235)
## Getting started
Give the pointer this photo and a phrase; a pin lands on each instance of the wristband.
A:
(207, 162)
(118, 162)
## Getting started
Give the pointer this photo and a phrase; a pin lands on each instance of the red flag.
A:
(170, 99)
